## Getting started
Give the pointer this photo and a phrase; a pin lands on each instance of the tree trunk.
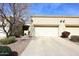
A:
(10, 30)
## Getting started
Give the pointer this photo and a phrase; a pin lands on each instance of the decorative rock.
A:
(75, 38)
(65, 34)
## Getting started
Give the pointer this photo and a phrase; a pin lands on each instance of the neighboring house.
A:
(2, 33)
(55, 25)
(17, 30)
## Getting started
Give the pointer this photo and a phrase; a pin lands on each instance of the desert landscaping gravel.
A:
(20, 45)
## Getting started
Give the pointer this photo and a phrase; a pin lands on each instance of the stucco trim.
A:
(73, 25)
(55, 16)
(46, 25)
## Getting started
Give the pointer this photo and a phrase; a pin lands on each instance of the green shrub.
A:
(8, 40)
(5, 51)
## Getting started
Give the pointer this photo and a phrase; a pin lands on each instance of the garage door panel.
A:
(73, 30)
(46, 31)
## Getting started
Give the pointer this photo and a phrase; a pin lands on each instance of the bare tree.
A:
(12, 13)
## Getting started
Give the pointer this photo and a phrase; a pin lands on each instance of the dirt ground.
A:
(20, 45)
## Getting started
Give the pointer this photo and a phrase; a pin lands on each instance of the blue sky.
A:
(55, 9)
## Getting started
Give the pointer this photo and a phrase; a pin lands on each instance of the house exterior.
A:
(50, 25)
(55, 25)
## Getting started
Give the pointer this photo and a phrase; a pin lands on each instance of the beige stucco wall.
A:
(53, 21)
(45, 21)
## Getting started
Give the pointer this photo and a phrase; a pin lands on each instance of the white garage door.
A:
(46, 31)
(73, 30)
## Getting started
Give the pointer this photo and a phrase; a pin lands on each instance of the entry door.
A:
(46, 31)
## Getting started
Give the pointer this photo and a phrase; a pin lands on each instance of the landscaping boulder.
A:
(75, 38)
(65, 34)
(14, 53)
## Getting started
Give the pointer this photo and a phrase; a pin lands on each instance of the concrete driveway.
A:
(48, 46)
